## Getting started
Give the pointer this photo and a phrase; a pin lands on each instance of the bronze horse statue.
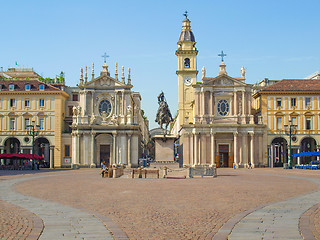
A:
(163, 114)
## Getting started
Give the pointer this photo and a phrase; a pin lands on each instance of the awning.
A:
(306, 154)
(20, 155)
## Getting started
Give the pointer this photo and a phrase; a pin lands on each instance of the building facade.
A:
(26, 102)
(215, 121)
(99, 120)
(290, 102)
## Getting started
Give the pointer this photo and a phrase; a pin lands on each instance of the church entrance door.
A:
(223, 155)
(105, 154)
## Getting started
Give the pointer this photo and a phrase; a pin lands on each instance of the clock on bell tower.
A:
(187, 72)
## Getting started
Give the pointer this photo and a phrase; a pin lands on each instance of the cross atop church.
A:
(105, 56)
(185, 14)
(222, 55)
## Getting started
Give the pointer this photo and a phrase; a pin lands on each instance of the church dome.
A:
(186, 34)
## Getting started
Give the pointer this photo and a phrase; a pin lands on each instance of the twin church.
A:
(221, 120)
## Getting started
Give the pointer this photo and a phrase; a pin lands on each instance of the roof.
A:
(286, 85)
(186, 36)
(20, 85)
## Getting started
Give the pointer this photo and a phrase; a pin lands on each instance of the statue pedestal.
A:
(164, 148)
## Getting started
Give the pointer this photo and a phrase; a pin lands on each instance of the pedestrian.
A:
(250, 165)
(104, 168)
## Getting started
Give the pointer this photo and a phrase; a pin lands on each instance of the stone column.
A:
(213, 150)
(260, 144)
(129, 151)
(244, 149)
(196, 104)
(92, 156)
(85, 150)
(124, 149)
(235, 150)
(272, 153)
(235, 112)
(114, 148)
(203, 102)
(249, 104)
(213, 103)
(251, 149)
(203, 155)
(195, 158)
(51, 156)
(75, 150)
(243, 103)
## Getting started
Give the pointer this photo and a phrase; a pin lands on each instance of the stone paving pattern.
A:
(15, 222)
(169, 208)
(315, 220)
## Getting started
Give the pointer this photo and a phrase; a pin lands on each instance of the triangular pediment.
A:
(223, 81)
(104, 81)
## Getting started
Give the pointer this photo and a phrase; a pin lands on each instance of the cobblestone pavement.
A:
(60, 222)
(315, 220)
(168, 208)
(279, 220)
(22, 223)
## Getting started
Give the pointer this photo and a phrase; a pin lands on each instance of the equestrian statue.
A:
(163, 114)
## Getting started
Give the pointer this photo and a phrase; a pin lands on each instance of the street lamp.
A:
(290, 130)
(33, 130)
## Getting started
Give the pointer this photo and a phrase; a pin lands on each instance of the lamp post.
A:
(290, 130)
(33, 130)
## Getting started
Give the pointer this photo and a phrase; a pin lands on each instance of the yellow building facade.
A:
(31, 102)
(294, 102)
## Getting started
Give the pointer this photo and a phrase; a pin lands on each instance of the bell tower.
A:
(187, 72)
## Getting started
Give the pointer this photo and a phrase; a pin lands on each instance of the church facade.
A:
(107, 123)
(215, 121)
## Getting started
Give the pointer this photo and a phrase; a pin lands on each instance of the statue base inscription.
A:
(164, 148)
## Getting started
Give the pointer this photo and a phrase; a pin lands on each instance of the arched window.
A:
(186, 62)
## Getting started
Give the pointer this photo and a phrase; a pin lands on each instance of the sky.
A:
(273, 39)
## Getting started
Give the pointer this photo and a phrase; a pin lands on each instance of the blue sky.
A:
(274, 39)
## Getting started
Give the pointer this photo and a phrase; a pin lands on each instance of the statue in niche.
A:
(76, 110)
(104, 116)
(114, 120)
(92, 119)
(129, 110)
(163, 115)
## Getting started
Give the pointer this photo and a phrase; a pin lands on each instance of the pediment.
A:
(104, 81)
(223, 81)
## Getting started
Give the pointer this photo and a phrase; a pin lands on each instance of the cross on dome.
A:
(105, 56)
(222, 55)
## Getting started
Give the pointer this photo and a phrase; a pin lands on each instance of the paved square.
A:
(167, 208)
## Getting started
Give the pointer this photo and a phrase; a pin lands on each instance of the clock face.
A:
(105, 106)
(187, 80)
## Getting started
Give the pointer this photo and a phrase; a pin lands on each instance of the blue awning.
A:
(306, 154)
